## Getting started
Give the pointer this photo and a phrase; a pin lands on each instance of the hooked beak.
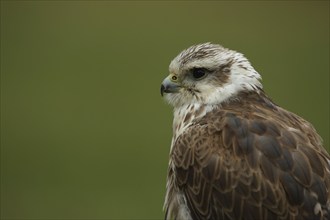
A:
(169, 86)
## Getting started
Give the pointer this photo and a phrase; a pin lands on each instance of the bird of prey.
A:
(235, 154)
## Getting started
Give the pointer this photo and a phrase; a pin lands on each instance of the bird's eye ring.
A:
(198, 73)
(174, 78)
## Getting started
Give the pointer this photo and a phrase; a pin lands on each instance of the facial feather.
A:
(228, 72)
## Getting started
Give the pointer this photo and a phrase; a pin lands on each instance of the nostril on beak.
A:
(162, 88)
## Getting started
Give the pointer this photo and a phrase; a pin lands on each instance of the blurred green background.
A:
(85, 133)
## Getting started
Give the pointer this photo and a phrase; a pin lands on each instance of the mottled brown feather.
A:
(231, 165)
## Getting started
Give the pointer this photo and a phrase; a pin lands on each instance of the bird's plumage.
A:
(239, 156)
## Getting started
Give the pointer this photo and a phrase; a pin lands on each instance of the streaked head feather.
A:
(229, 73)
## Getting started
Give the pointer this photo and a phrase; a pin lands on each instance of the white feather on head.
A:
(241, 75)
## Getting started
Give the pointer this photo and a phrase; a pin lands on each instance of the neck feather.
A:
(186, 114)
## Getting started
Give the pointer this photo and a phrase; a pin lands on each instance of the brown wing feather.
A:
(234, 165)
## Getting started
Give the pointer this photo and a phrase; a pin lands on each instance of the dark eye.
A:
(198, 73)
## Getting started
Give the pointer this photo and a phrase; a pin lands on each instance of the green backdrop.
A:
(84, 131)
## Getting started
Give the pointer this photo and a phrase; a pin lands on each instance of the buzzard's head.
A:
(208, 74)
